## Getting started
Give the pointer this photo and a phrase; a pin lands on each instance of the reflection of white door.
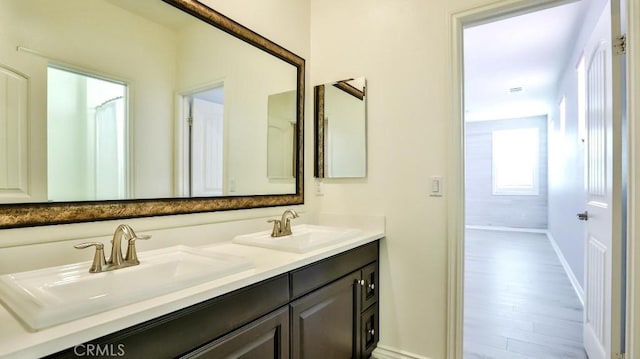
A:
(206, 148)
(23, 126)
(280, 137)
(602, 247)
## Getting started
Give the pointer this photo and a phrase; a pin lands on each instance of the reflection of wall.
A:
(245, 99)
(137, 50)
(85, 138)
(483, 208)
(67, 137)
(345, 152)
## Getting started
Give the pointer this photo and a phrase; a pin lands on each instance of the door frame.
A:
(633, 194)
(455, 227)
(181, 138)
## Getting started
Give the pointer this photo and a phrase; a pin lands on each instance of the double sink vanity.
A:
(311, 293)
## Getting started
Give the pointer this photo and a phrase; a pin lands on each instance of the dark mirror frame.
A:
(37, 214)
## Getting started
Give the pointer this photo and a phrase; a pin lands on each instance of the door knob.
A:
(584, 216)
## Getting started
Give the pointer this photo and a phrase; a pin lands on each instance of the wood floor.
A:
(519, 303)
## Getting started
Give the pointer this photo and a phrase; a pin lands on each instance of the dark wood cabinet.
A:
(324, 322)
(336, 299)
(327, 309)
(266, 338)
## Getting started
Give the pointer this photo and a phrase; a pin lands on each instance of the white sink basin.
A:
(304, 238)
(51, 296)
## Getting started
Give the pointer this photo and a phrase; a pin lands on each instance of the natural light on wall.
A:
(563, 116)
(582, 89)
(515, 161)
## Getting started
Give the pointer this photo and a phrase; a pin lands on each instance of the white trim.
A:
(567, 268)
(507, 229)
(385, 352)
(455, 202)
(633, 194)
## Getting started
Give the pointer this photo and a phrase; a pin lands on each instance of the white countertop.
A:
(18, 342)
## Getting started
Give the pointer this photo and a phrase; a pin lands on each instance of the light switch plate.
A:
(319, 190)
(436, 186)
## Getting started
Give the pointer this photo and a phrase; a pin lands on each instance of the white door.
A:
(603, 188)
(206, 148)
(23, 125)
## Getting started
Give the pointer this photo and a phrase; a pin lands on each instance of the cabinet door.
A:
(369, 285)
(264, 338)
(370, 332)
(326, 323)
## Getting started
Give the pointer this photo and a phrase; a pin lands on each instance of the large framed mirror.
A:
(341, 129)
(120, 109)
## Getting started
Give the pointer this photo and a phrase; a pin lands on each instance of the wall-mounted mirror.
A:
(119, 108)
(341, 129)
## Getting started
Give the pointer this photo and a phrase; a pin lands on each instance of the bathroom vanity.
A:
(327, 309)
(319, 303)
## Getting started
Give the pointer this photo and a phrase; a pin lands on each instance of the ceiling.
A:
(529, 51)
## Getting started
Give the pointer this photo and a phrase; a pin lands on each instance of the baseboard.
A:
(567, 268)
(506, 229)
(385, 352)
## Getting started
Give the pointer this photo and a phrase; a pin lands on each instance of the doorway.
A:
(507, 194)
(202, 122)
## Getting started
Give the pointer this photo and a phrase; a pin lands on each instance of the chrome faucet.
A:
(116, 261)
(282, 226)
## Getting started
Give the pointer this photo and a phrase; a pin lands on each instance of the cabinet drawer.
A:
(314, 276)
(266, 338)
(370, 332)
(369, 285)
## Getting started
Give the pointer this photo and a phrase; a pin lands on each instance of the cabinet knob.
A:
(360, 281)
(372, 332)
(372, 286)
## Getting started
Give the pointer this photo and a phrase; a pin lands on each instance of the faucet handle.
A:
(98, 258)
(132, 255)
(277, 225)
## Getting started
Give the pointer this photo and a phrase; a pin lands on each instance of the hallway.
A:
(519, 303)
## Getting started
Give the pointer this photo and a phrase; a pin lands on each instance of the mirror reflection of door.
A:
(206, 131)
(281, 135)
(86, 137)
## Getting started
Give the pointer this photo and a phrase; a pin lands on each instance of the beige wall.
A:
(402, 47)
